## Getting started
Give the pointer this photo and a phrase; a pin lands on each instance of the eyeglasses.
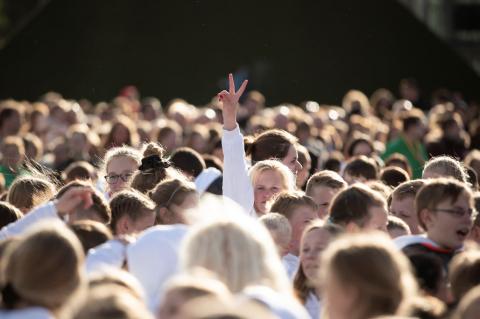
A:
(457, 212)
(112, 179)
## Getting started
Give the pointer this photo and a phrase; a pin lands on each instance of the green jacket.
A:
(416, 155)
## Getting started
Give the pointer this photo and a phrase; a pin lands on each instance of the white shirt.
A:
(291, 264)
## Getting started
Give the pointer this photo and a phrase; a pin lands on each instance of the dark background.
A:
(291, 50)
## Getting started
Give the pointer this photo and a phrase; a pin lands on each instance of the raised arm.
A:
(71, 199)
(236, 182)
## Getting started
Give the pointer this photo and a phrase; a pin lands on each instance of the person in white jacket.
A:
(253, 189)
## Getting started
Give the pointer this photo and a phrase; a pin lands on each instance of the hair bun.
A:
(153, 162)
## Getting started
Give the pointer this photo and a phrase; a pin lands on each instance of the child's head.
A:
(120, 165)
(99, 211)
(397, 227)
(400, 161)
(393, 176)
(464, 272)
(269, 177)
(81, 170)
(275, 144)
(184, 288)
(132, 212)
(360, 169)
(306, 161)
(358, 207)
(322, 187)
(444, 166)
(475, 231)
(91, 233)
(445, 210)
(280, 229)
(44, 268)
(315, 240)
(469, 306)
(365, 276)
(8, 214)
(402, 203)
(153, 168)
(189, 161)
(13, 151)
(28, 192)
(300, 210)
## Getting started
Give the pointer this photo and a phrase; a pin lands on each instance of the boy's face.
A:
(449, 223)
(300, 218)
(405, 209)
(322, 196)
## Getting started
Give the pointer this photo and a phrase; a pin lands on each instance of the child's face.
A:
(267, 184)
(405, 210)
(449, 223)
(314, 242)
(301, 217)
(322, 196)
(120, 166)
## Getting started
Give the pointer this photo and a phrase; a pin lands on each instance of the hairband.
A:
(153, 162)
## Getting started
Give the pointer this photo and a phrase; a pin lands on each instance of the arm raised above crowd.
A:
(72, 198)
(236, 182)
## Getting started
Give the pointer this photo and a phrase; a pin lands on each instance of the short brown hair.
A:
(27, 192)
(362, 166)
(8, 214)
(78, 170)
(399, 160)
(436, 191)
(352, 205)
(271, 144)
(91, 233)
(464, 272)
(393, 176)
(325, 178)
(287, 202)
(407, 189)
(130, 203)
(447, 167)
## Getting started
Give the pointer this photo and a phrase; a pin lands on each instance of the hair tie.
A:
(153, 162)
(9, 296)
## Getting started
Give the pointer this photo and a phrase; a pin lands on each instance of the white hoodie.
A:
(153, 259)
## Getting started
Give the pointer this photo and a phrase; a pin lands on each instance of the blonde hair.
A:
(118, 278)
(130, 203)
(239, 252)
(372, 265)
(45, 268)
(27, 192)
(123, 151)
(277, 224)
(288, 179)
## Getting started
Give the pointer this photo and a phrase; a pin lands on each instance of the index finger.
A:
(231, 84)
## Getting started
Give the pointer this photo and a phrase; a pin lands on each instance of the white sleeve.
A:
(236, 181)
(39, 213)
(109, 254)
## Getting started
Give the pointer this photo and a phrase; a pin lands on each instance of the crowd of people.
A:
(130, 209)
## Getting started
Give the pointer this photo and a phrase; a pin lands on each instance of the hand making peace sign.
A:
(230, 103)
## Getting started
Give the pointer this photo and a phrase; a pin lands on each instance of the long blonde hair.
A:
(240, 252)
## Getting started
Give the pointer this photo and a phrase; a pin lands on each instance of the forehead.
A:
(316, 235)
(269, 177)
(121, 164)
(463, 199)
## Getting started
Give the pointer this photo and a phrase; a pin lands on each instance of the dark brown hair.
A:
(91, 233)
(271, 144)
(8, 214)
(188, 160)
(362, 166)
(393, 176)
(352, 205)
(130, 203)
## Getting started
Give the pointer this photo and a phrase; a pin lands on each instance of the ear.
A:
(351, 227)
(426, 217)
(123, 226)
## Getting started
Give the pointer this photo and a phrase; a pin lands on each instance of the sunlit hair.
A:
(239, 251)
(288, 179)
(444, 166)
(122, 151)
(116, 277)
(372, 266)
(27, 192)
